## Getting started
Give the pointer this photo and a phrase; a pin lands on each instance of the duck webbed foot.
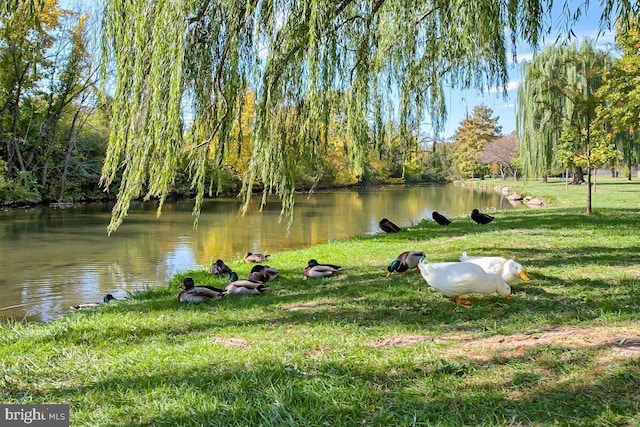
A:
(462, 302)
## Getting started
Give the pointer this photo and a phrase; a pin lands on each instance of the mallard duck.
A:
(460, 278)
(405, 261)
(263, 273)
(105, 300)
(251, 257)
(480, 218)
(312, 263)
(245, 286)
(314, 270)
(198, 294)
(507, 268)
(440, 219)
(219, 268)
(388, 226)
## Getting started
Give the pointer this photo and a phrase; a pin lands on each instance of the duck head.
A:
(233, 276)
(516, 269)
(393, 266)
(188, 283)
(503, 289)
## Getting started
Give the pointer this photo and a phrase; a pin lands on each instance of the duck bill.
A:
(508, 297)
(524, 276)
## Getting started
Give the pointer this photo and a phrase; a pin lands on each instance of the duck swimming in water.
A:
(105, 300)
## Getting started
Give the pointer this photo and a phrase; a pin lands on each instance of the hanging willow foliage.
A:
(182, 68)
(558, 99)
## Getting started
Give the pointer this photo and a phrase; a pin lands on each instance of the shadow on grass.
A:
(355, 299)
(329, 392)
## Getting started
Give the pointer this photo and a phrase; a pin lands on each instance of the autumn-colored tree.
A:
(621, 92)
(46, 96)
(471, 138)
(501, 152)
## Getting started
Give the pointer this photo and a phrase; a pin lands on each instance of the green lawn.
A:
(362, 349)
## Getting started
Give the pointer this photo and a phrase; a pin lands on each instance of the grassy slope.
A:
(361, 349)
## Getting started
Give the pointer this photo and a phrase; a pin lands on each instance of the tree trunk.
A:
(70, 150)
(578, 176)
(588, 167)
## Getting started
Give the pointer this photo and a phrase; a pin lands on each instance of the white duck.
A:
(507, 268)
(459, 278)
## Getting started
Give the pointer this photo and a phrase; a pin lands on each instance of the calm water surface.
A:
(53, 258)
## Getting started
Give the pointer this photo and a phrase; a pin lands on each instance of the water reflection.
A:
(55, 258)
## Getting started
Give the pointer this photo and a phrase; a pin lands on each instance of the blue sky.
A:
(461, 103)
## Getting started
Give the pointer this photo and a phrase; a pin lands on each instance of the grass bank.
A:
(362, 349)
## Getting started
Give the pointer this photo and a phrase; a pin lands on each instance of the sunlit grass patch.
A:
(360, 348)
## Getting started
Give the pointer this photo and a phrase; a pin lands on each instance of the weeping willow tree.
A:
(557, 104)
(182, 67)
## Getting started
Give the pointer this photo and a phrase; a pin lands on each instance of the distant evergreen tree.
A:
(471, 138)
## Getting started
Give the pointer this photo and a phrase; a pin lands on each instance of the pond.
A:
(53, 258)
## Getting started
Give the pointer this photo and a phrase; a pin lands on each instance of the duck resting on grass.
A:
(219, 268)
(263, 273)
(238, 286)
(388, 226)
(198, 294)
(440, 219)
(480, 218)
(507, 268)
(405, 261)
(251, 257)
(312, 263)
(455, 279)
(314, 270)
(105, 300)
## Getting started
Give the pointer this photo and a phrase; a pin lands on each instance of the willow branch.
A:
(342, 6)
(201, 13)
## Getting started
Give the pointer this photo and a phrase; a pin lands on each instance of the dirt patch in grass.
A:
(623, 342)
(231, 342)
(629, 346)
(402, 340)
(634, 272)
(307, 305)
